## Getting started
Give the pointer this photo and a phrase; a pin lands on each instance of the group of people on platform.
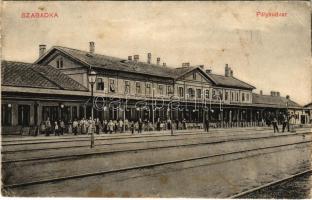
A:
(283, 119)
(88, 126)
(85, 126)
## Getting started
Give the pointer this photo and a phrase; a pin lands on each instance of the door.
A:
(24, 115)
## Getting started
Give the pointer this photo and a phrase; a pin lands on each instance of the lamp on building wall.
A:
(9, 105)
(61, 111)
(92, 78)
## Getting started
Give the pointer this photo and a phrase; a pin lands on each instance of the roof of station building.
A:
(276, 101)
(309, 105)
(100, 61)
(20, 74)
(229, 81)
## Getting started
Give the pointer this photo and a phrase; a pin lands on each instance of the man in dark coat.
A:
(206, 124)
(285, 123)
(275, 127)
(140, 125)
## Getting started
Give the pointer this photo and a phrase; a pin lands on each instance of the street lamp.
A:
(92, 78)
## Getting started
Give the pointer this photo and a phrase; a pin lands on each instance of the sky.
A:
(270, 53)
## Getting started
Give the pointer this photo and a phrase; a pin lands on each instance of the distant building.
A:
(56, 86)
(308, 110)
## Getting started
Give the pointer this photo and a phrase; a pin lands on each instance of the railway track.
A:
(97, 153)
(243, 154)
(189, 136)
(267, 185)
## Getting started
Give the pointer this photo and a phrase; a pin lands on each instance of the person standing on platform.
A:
(168, 124)
(184, 124)
(62, 127)
(42, 128)
(56, 129)
(83, 126)
(97, 126)
(70, 127)
(136, 126)
(207, 124)
(79, 127)
(140, 125)
(126, 124)
(275, 127)
(121, 124)
(48, 127)
(177, 123)
(132, 127)
(105, 126)
(90, 126)
(158, 124)
(115, 126)
(285, 123)
(75, 127)
(111, 126)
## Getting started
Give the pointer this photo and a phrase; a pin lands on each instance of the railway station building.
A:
(56, 86)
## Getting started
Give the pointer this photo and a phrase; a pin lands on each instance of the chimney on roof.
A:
(287, 97)
(91, 47)
(136, 58)
(261, 92)
(158, 61)
(187, 64)
(130, 58)
(231, 72)
(149, 58)
(42, 49)
(278, 94)
(208, 71)
(164, 64)
(273, 93)
(227, 70)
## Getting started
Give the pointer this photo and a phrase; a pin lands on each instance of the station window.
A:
(214, 96)
(127, 87)
(207, 95)
(161, 89)
(74, 113)
(232, 96)
(181, 92)
(198, 93)
(148, 89)
(6, 114)
(194, 75)
(226, 97)
(138, 87)
(169, 90)
(112, 85)
(247, 97)
(99, 84)
(59, 63)
(191, 92)
(220, 94)
(243, 97)
(23, 115)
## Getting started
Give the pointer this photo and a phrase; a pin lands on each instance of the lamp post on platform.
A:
(92, 78)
